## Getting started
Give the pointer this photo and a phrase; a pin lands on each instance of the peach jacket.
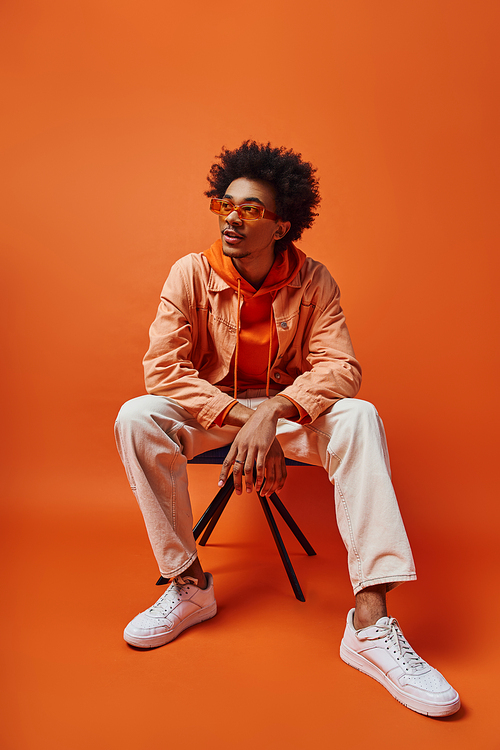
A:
(193, 338)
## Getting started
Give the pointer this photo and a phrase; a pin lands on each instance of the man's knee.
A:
(357, 414)
(143, 426)
(137, 410)
(359, 409)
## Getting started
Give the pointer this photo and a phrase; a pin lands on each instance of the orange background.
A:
(113, 112)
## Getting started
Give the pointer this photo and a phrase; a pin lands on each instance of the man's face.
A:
(249, 239)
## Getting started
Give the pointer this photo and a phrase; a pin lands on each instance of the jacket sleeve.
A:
(168, 366)
(330, 370)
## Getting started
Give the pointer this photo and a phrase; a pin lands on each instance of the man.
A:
(250, 347)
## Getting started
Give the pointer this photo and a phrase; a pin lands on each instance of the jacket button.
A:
(277, 375)
(284, 325)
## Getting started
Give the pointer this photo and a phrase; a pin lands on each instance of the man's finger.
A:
(226, 467)
(238, 474)
(260, 473)
(248, 469)
(275, 476)
(268, 487)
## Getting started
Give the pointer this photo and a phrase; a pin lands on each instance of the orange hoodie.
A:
(193, 340)
(257, 342)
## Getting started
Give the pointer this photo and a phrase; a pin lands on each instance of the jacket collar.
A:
(217, 284)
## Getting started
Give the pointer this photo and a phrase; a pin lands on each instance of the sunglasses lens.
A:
(221, 207)
(250, 213)
(224, 207)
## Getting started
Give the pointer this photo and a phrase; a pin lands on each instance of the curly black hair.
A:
(297, 192)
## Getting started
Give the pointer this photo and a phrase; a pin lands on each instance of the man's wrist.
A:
(238, 415)
(279, 407)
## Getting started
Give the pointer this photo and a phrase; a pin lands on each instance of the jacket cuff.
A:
(313, 405)
(219, 421)
(213, 407)
(303, 417)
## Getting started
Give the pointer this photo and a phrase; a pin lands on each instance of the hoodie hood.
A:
(286, 266)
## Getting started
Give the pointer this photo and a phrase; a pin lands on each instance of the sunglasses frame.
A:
(265, 214)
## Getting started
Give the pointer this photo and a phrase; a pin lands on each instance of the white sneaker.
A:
(382, 652)
(182, 605)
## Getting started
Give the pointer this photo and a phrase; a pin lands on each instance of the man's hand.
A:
(256, 443)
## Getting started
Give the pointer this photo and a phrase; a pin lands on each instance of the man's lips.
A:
(232, 238)
(231, 234)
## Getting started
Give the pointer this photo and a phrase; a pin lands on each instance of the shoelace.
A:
(411, 661)
(166, 602)
(181, 581)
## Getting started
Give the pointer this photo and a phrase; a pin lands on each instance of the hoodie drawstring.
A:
(268, 377)
(237, 342)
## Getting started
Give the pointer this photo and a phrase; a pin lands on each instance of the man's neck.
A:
(254, 270)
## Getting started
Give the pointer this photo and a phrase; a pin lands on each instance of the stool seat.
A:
(217, 456)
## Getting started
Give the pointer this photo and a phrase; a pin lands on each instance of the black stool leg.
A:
(215, 509)
(213, 521)
(282, 549)
(292, 524)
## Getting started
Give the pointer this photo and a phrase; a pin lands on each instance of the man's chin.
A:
(233, 252)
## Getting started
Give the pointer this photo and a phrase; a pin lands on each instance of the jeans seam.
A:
(172, 484)
(315, 429)
(326, 435)
(176, 426)
(353, 543)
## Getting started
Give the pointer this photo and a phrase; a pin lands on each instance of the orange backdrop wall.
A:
(113, 113)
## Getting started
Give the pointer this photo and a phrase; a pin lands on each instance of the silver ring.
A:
(238, 462)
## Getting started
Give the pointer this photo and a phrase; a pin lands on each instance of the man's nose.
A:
(234, 217)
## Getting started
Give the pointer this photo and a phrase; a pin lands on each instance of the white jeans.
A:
(156, 437)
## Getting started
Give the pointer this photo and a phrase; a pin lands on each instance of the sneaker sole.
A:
(353, 659)
(160, 639)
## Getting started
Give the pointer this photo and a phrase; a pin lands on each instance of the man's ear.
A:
(281, 230)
